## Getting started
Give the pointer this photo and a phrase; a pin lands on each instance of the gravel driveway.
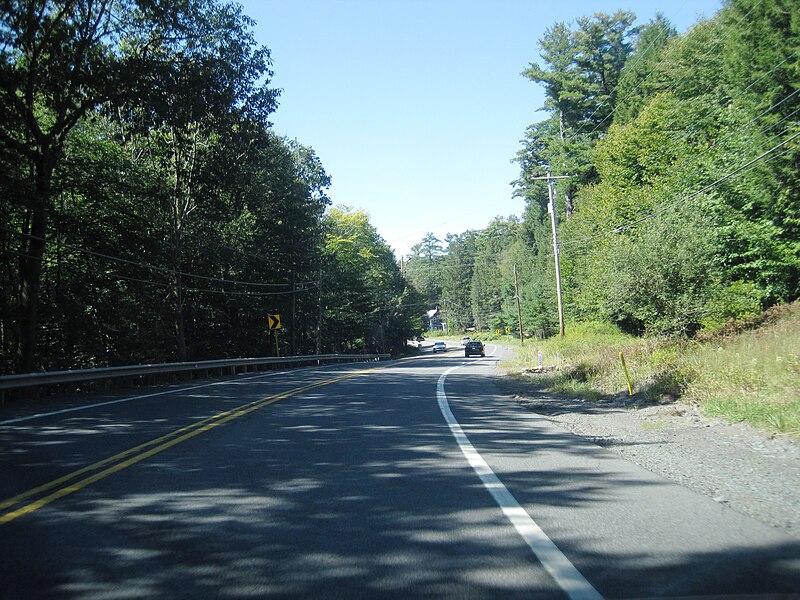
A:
(755, 473)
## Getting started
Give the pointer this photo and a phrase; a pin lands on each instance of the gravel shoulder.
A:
(753, 472)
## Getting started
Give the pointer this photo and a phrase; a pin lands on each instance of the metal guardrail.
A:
(231, 366)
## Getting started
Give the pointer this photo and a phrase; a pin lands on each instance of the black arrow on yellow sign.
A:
(274, 322)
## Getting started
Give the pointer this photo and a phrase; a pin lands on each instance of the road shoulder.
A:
(752, 472)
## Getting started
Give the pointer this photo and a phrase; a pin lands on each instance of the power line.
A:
(691, 196)
(674, 86)
(143, 265)
(742, 92)
(696, 158)
(662, 208)
(303, 287)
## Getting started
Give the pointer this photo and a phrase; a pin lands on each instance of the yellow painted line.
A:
(93, 467)
(161, 443)
(111, 459)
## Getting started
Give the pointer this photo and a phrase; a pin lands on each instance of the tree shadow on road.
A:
(358, 490)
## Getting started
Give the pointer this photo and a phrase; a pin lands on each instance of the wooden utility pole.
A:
(519, 311)
(319, 317)
(551, 209)
(293, 336)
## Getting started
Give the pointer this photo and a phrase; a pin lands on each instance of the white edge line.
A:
(560, 568)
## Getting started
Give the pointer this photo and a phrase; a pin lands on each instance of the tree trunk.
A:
(562, 133)
(182, 204)
(180, 329)
(31, 264)
(293, 324)
(568, 203)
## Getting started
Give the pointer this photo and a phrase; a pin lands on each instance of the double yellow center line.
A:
(77, 480)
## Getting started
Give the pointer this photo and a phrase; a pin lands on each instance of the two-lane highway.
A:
(412, 478)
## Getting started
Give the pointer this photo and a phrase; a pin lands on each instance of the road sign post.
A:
(274, 323)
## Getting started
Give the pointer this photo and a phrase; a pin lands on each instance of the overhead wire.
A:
(306, 286)
(674, 85)
(695, 158)
(683, 78)
(263, 259)
(766, 156)
(144, 265)
(688, 162)
(669, 204)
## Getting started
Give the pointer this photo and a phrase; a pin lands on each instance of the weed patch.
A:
(750, 374)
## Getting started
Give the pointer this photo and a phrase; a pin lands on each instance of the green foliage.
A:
(636, 81)
(732, 302)
(681, 210)
(641, 152)
(582, 68)
(456, 277)
(750, 376)
(689, 219)
(424, 268)
(580, 76)
(147, 210)
(488, 287)
(367, 305)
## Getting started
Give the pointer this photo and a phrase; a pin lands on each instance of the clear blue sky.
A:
(416, 107)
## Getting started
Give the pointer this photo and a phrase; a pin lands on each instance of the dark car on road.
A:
(474, 347)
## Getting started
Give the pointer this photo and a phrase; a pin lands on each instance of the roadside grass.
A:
(753, 376)
(741, 375)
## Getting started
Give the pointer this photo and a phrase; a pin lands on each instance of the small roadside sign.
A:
(274, 322)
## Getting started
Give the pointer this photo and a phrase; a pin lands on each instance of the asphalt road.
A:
(412, 478)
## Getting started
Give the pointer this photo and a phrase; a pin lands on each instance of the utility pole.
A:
(319, 318)
(552, 210)
(519, 310)
(293, 337)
